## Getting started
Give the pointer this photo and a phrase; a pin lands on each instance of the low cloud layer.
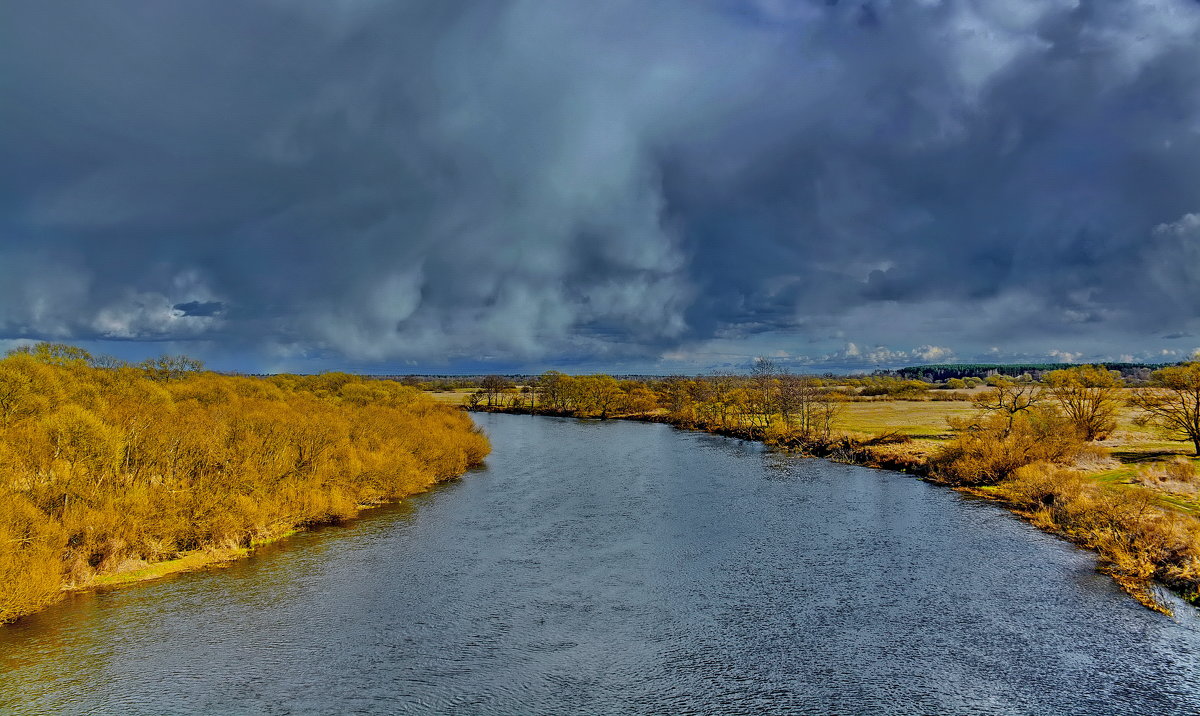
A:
(632, 183)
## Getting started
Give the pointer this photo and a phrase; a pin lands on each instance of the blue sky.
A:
(633, 186)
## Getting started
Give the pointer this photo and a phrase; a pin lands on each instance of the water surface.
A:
(609, 567)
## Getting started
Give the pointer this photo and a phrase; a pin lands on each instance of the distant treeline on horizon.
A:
(1129, 371)
(928, 373)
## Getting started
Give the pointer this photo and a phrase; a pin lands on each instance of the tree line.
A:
(942, 372)
(1083, 399)
(768, 401)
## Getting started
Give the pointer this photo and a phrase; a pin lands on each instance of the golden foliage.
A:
(104, 467)
(30, 556)
(988, 450)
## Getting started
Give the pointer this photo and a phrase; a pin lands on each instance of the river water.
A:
(611, 567)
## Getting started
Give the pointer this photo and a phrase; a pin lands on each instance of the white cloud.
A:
(934, 354)
(1065, 356)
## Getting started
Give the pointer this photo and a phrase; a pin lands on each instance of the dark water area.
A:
(611, 567)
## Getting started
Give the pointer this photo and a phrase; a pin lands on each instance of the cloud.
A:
(199, 308)
(934, 354)
(1065, 356)
(883, 356)
(524, 182)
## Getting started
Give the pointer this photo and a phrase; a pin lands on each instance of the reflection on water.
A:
(605, 567)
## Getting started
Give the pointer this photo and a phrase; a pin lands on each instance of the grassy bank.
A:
(134, 571)
(121, 473)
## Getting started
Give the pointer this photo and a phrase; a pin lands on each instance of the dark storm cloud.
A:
(200, 308)
(535, 180)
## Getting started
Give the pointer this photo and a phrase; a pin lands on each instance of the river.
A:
(615, 567)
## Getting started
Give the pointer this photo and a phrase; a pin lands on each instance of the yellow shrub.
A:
(30, 557)
(101, 468)
(989, 450)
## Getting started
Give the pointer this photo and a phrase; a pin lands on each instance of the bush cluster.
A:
(105, 468)
(991, 449)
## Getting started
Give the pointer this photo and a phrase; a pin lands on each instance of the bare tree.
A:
(1088, 395)
(808, 405)
(1173, 402)
(718, 397)
(1008, 397)
(493, 387)
(762, 393)
(168, 367)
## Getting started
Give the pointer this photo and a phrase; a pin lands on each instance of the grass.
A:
(916, 419)
(187, 563)
(1132, 446)
(453, 397)
(1122, 476)
(1179, 502)
(1132, 443)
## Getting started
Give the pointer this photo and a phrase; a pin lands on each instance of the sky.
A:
(657, 186)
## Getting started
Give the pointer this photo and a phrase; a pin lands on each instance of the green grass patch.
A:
(1121, 476)
(187, 563)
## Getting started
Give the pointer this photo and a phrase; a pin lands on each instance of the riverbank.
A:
(135, 572)
(112, 475)
(1139, 540)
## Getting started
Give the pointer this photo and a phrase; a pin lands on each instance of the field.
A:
(1133, 449)
(451, 397)
(929, 421)
(926, 420)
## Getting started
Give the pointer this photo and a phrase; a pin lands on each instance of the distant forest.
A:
(1131, 372)
(930, 373)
